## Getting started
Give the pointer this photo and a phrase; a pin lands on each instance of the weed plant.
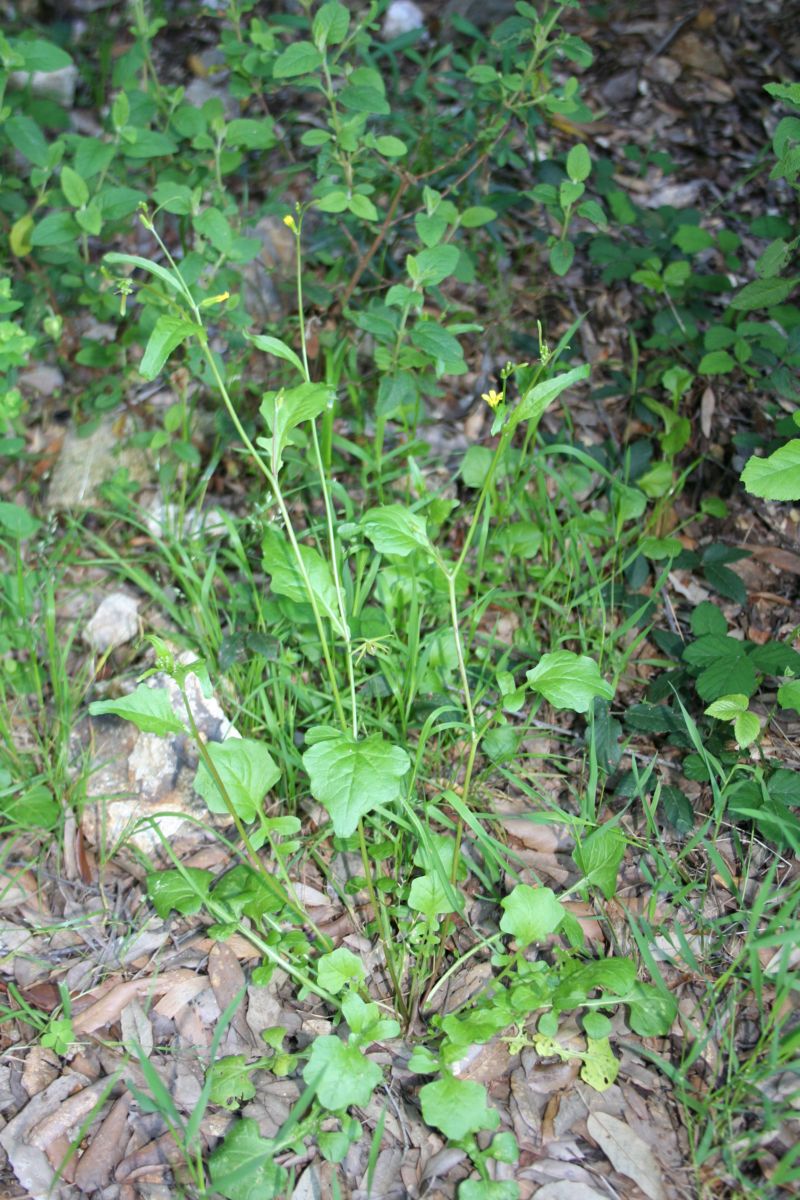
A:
(426, 619)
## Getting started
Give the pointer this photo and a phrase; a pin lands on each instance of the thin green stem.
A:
(381, 921)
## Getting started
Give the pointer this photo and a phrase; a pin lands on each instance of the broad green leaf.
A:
(17, 521)
(475, 465)
(776, 477)
(245, 892)
(489, 1189)
(242, 1168)
(247, 772)
(330, 25)
(74, 188)
(56, 229)
(286, 579)
(365, 1021)
(539, 398)
(148, 708)
(334, 201)
(659, 548)
(531, 914)
(248, 134)
(216, 227)
(349, 777)
(725, 676)
(231, 1081)
(362, 206)
(390, 146)
(615, 976)
(27, 138)
(764, 293)
(599, 856)
(569, 680)
(301, 58)
(457, 1106)
(40, 55)
(433, 265)
(477, 215)
(396, 531)
(789, 695)
(707, 618)
(277, 348)
(437, 342)
(746, 728)
(341, 1073)
(579, 163)
(428, 896)
(285, 410)
(718, 362)
(728, 708)
(561, 257)
(339, 969)
(181, 891)
(168, 333)
(651, 1011)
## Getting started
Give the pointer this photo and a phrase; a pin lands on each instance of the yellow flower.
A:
(491, 397)
(290, 222)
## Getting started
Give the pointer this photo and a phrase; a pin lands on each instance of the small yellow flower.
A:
(491, 397)
(290, 222)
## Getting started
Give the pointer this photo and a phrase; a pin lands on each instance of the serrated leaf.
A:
(396, 531)
(301, 58)
(148, 708)
(168, 333)
(343, 1075)
(350, 777)
(330, 25)
(746, 728)
(457, 1107)
(776, 477)
(707, 618)
(247, 772)
(717, 362)
(568, 680)
(181, 891)
(764, 293)
(531, 914)
(720, 677)
(727, 708)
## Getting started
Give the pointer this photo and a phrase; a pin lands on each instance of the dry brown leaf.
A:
(181, 992)
(28, 1162)
(627, 1153)
(108, 1007)
(136, 1028)
(68, 1114)
(565, 1189)
(105, 1150)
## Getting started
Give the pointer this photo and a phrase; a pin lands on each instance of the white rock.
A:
(402, 16)
(42, 379)
(115, 622)
(55, 85)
